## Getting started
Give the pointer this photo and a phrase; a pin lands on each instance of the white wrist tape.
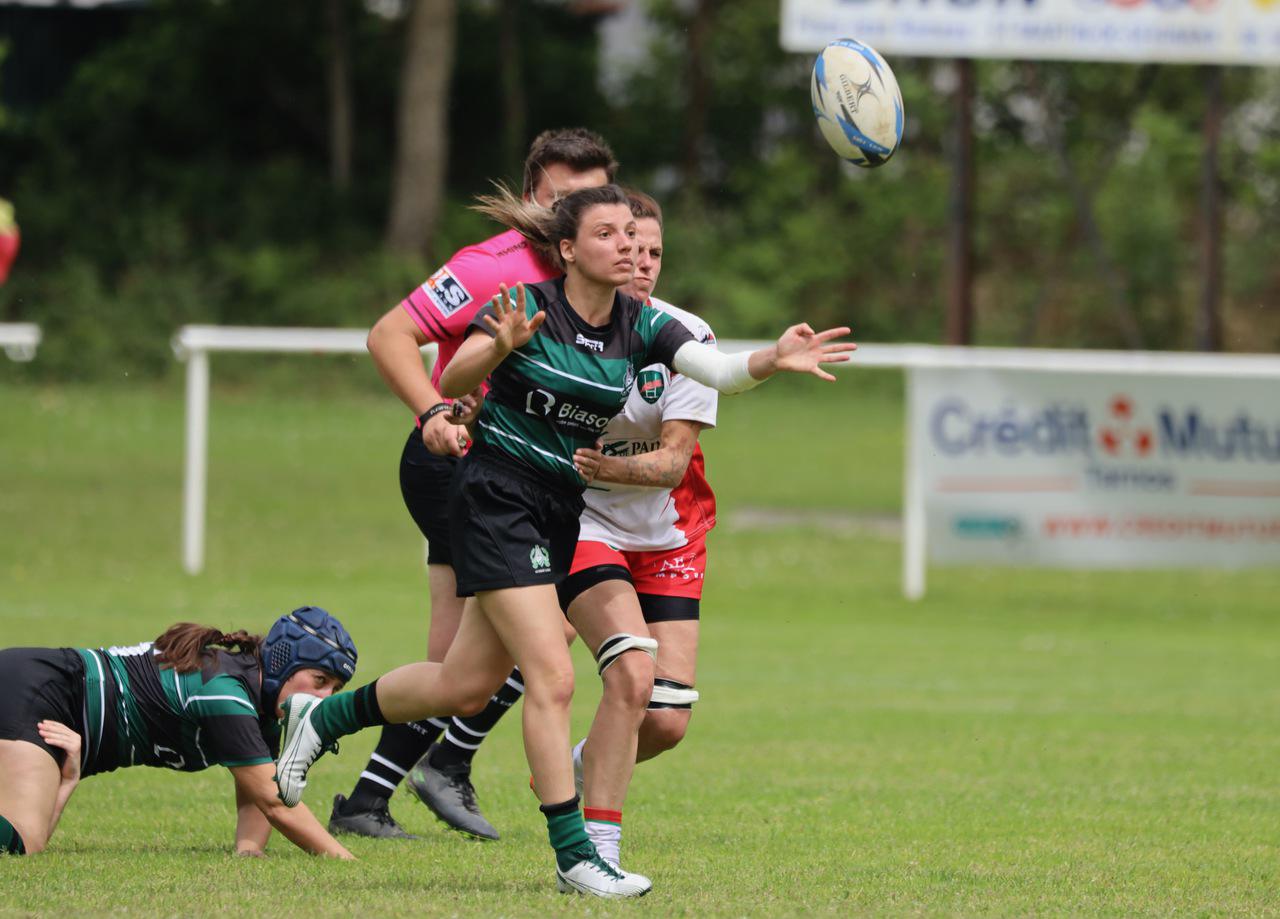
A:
(726, 373)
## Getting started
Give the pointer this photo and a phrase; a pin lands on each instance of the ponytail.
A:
(527, 217)
(545, 227)
(182, 646)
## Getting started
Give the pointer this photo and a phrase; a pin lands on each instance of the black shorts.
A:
(654, 607)
(508, 525)
(38, 684)
(424, 485)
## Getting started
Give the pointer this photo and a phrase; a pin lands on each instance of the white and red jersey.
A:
(447, 301)
(638, 518)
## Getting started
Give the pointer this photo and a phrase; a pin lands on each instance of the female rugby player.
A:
(638, 569)
(561, 362)
(440, 310)
(193, 698)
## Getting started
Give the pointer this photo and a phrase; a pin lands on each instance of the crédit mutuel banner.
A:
(1072, 469)
(1176, 31)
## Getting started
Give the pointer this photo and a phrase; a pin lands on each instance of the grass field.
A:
(1019, 743)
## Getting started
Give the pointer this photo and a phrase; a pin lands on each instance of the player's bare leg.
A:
(601, 614)
(29, 780)
(531, 625)
(664, 728)
(529, 622)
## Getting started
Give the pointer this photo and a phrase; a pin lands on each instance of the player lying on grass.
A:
(193, 698)
(558, 162)
(637, 574)
(561, 362)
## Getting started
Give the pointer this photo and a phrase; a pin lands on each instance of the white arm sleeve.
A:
(709, 366)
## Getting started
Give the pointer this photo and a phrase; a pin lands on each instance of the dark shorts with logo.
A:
(38, 684)
(509, 526)
(424, 485)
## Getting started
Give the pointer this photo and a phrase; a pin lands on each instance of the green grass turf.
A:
(1021, 742)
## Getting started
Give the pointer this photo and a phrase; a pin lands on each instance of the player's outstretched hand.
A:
(512, 328)
(57, 734)
(802, 350)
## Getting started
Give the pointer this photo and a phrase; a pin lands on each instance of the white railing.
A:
(19, 340)
(193, 344)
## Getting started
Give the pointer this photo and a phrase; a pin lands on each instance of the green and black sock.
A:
(347, 712)
(567, 833)
(10, 841)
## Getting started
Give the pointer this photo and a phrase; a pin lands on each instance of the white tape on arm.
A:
(727, 373)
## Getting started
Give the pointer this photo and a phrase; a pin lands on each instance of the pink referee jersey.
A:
(446, 303)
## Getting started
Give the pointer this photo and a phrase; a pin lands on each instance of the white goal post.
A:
(193, 344)
(19, 340)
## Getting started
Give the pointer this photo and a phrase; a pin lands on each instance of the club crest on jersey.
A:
(651, 385)
(446, 292)
(540, 559)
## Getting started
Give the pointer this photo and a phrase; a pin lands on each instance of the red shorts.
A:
(669, 581)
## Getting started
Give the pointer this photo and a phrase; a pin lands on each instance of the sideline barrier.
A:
(931, 372)
(20, 340)
(193, 344)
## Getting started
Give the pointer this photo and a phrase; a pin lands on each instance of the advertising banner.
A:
(1175, 31)
(1089, 470)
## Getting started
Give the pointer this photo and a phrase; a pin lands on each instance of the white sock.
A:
(605, 829)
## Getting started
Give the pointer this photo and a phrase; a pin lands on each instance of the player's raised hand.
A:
(802, 350)
(512, 327)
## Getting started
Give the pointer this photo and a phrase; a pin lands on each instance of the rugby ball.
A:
(857, 102)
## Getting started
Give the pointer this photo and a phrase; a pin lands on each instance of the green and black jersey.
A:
(558, 391)
(139, 714)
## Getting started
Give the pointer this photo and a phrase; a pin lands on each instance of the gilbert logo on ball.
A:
(857, 102)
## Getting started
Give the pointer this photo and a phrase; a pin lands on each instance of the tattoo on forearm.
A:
(661, 468)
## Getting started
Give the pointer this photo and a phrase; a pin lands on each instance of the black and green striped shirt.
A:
(558, 391)
(139, 714)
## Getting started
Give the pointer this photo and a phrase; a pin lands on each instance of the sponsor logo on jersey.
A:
(591, 344)
(540, 559)
(651, 385)
(541, 402)
(629, 447)
(446, 292)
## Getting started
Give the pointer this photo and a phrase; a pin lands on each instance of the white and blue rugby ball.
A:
(857, 102)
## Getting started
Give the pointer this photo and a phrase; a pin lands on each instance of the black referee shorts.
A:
(509, 526)
(424, 485)
(38, 684)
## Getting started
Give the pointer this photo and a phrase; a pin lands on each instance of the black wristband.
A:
(431, 413)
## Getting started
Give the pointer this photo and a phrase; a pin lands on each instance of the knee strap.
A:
(672, 694)
(10, 841)
(615, 646)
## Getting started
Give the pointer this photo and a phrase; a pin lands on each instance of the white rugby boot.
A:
(596, 877)
(300, 746)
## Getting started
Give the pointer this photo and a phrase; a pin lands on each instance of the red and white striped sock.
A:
(605, 829)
